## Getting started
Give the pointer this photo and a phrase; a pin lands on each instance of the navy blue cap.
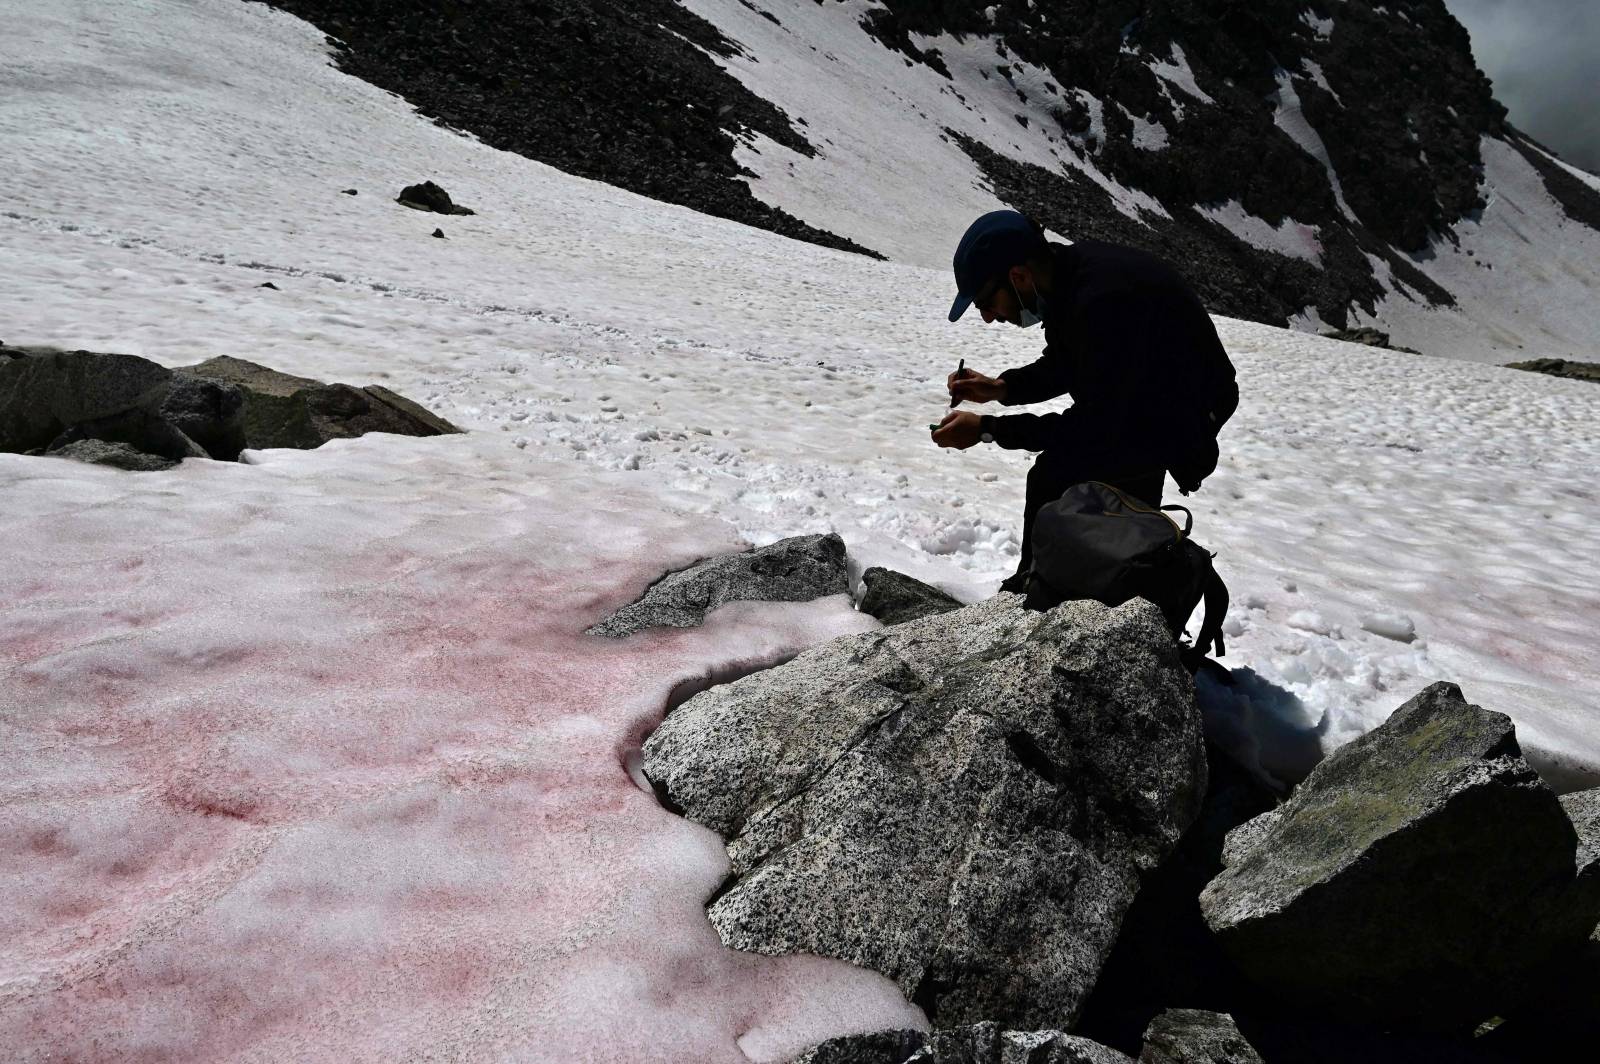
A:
(991, 245)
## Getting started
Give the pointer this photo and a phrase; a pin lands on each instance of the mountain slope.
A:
(1322, 164)
(326, 706)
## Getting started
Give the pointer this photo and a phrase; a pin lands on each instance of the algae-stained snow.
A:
(310, 760)
(644, 385)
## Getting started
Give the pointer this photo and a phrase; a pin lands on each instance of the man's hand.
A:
(973, 387)
(959, 429)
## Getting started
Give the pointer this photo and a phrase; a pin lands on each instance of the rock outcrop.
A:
(895, 597)
(1560, 367)
(116, 455)
(62, 402)
(46, 391)
(1418, 875)
(797, 569)
(430, 197)
(983, 1043)
(1165, 955)
(209, 412)
(1190, 1036)
(1368, 337)
(51, 399)
(282, 410)
(963, 803)
(1583, 809)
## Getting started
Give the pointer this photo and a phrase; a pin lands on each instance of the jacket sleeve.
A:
(1108, 401)
(1045, 378)
(1027, 432)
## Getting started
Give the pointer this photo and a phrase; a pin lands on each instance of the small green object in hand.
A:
(933, 428)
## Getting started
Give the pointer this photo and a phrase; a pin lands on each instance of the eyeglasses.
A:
(987, 294)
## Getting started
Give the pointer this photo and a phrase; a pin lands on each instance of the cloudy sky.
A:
(1544, 59)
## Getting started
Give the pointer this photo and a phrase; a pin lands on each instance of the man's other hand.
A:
(970, 386)
(959, 429)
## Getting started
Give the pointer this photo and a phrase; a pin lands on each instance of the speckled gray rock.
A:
(1583, 809)
(1415, 876)
(879, 1047)
(116, 455)
(963, 803)
(895, 597)
(983, 1043)
(797, 569)
(1190, 1036)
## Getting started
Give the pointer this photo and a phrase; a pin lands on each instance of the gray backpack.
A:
(1096, 542)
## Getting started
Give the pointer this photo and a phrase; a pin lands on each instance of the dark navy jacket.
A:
(1133, 346)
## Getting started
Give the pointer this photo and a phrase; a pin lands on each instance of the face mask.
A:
(1029, 318)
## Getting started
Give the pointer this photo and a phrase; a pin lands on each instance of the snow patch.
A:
(1175, 71)
(1322, 26)
(1292, 120)
(1288, 237)
(1147, 135)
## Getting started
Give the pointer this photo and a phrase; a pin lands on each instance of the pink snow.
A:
(310, 759)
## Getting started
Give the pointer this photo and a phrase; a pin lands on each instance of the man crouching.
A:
(1124, 336)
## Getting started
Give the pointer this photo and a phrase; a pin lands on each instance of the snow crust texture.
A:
(784, 387)
(309, 759)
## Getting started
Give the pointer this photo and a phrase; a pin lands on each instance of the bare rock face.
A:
(52, 399)
(797, 569)
(1417, 876)
(963, 803)
(209, 412)
(1190, 1036)
(430, 197)
(282, 410)
(895, 597)
(1583, 809)
(982, 1043)
(1560, 367)
(46, 392)
(116, 455)
(1366, 335)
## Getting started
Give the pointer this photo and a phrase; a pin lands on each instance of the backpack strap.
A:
(1188, 516)
(1210, 634)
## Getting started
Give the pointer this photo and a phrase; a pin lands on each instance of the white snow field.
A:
(307, 758)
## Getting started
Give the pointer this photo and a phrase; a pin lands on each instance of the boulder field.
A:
(1010, 814)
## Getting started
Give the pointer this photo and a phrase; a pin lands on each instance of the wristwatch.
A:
(984, 435)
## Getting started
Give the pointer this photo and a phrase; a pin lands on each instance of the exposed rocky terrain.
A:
(622, 91)
(964, 803)
(1181, 100)
(894, 597)
(797, 569)
(1561, 367)
(1008, 813)
(1428, 842)
(130, 413)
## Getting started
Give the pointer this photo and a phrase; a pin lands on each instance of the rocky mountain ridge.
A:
(1311, 163)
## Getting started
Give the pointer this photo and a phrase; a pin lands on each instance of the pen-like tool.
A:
(961, 371)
